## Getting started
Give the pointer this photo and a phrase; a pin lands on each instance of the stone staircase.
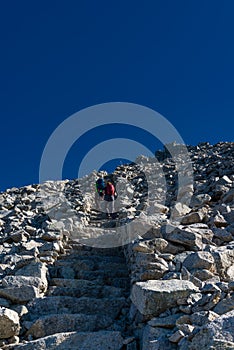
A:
(87, 300)
(101, 220)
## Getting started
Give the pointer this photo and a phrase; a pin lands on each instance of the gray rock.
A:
(219, 221)
(203, 274)
(224, 258)
(193, 298)
(9, 323)
(203, 317)
(229, 196)
(187, 329)
(231, 285)
(65, 304)
(4, 302)
(19, 281)
(141, 247)
(180, 210)
(192, 218)
(48, 325)
(177, 336)
(211, 288)
(164, 322)
(216, 335)
(225, 305)
(200, 200)
(154, 273)
(199, 260)
(230, 273)
(186, 236)
(224, 181)
(154, 297)
(229, 217)
(35, 269)
(159, 244)
(187, 276)
(223, 235)
(156, 339)
(102, 340)
(21, 294)
(20, 309)
(19, 236)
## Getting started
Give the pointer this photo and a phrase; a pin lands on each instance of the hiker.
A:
(109, 197)
(100, 191)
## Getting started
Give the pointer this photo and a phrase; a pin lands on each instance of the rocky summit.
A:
(156, 275)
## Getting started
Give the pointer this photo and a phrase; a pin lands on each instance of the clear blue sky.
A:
(58, 57)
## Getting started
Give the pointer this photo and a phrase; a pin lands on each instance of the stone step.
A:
(68, 287)
(105, 275)
(86, 250)
(49, 324)
(101, 277)
(110, 307)
(101, 340)
(94, 264)
(88, 272)
(74, 257)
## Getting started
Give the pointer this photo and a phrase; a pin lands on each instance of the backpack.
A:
(100, 185)
(110, 189)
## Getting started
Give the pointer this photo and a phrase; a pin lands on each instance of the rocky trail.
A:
(168, 286)
(87, 294)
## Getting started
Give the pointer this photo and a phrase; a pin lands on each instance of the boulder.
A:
(225, 305)
(224, 259)
(38, 270)
(180, 210)
(9, 323)
(102, 340)
(192, 218)
(184, 235)
(199, 260)
(154, 297)
(203, 274)
(19, 295)
(222, 234)
(19, 281)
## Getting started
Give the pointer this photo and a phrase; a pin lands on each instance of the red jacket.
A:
(110, 189)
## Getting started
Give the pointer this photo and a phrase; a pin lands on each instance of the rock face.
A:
(170, 287)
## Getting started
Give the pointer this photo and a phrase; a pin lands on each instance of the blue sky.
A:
(59, 57)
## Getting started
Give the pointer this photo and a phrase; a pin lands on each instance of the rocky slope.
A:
(71, 278)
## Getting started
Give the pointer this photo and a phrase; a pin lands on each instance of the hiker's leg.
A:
(107, 207)
(112, 205)
(96, 201)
